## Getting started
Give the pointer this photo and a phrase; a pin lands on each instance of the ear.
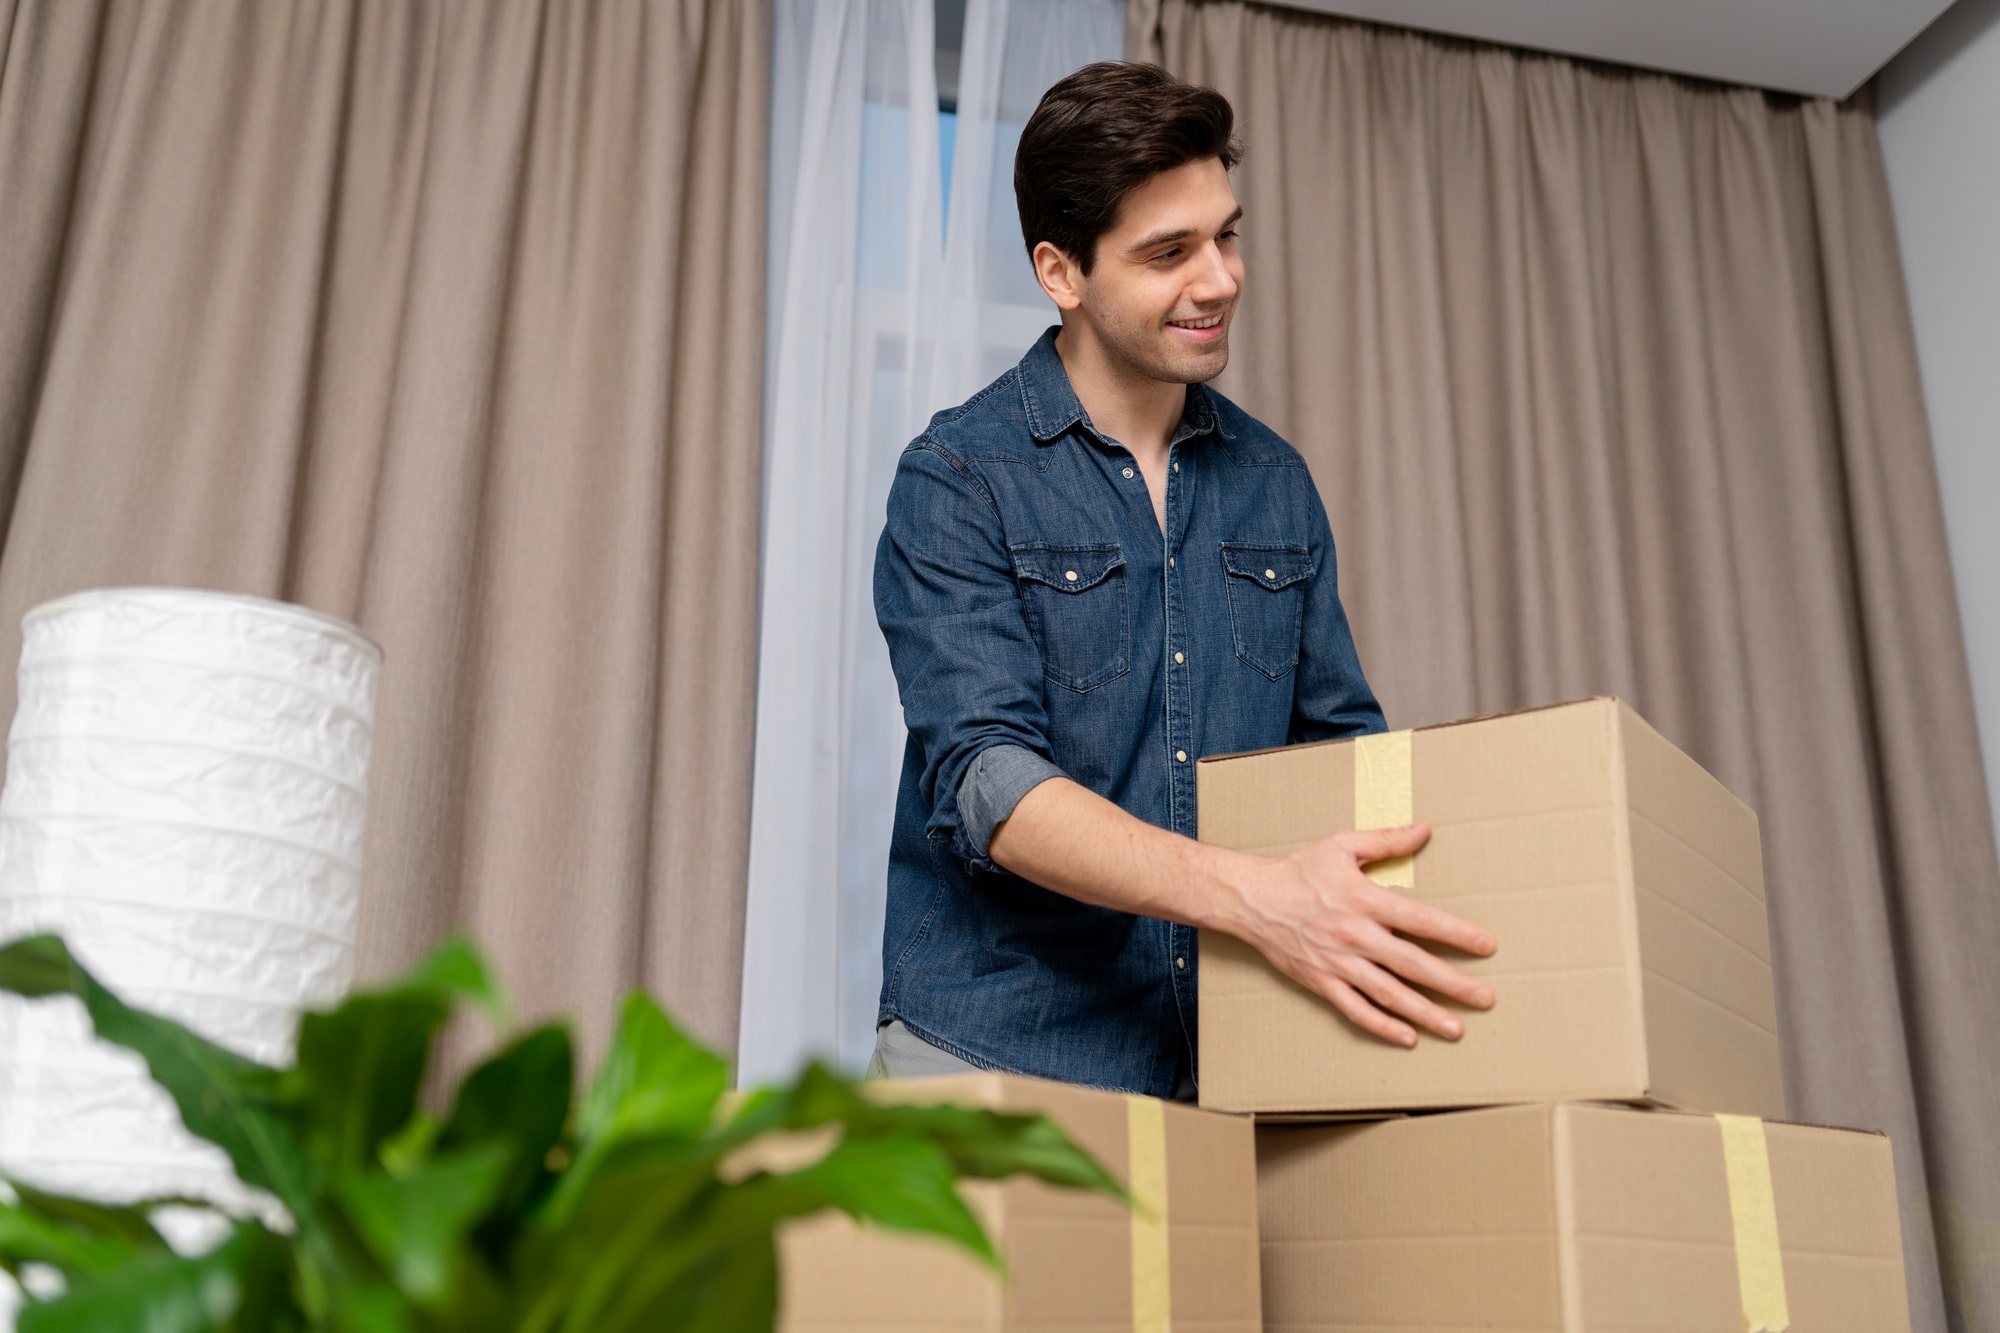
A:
(1061, 277)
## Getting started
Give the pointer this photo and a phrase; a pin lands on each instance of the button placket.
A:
(1180, 736)
(1180, 691)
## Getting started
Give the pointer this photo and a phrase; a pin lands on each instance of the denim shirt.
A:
(1040, 623)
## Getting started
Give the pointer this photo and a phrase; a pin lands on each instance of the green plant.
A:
(632, 1208)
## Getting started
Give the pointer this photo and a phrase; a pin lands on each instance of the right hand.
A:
(1330, 928)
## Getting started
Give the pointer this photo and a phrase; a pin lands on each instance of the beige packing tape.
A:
(1753, 1215)
(1382, 799)
(1146, 1156)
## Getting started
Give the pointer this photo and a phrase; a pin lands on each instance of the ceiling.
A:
(1822, 47)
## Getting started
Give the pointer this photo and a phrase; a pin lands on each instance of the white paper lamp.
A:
(186, 783)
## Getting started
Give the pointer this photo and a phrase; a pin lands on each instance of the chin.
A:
(1202, 368)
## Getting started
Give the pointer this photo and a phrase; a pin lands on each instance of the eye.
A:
(1167, 254)
(1229, 235)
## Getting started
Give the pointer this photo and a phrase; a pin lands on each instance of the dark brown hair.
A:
(1100, 134)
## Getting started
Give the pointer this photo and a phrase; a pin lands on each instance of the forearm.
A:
(1313, 913)
(1065, 837)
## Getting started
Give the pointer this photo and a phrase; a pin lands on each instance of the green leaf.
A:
(370, 1307)
(410, 1147)
(341, 1286)
(361, 1064)
(416, 1226)
(360, 1069)
(738, 1291)
(658, 1271)
(730, 1289)
(655, 1079)
(983, 1144)
(238, 1285)
(520, 1098)
(634, 1215)
(129, 1223)
(456, 971)
(27, 1238)
(659, 1218)
(991, 1145)
(655, 1082)
(228, 1100)
(904, 1183)
(36, 966)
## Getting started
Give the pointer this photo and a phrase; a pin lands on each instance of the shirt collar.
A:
(1053, 407)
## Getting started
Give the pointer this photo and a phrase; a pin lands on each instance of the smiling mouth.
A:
(1208, 323)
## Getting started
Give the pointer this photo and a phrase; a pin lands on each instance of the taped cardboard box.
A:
(1578, 1219)
(1624, 885)
(1075, 1261)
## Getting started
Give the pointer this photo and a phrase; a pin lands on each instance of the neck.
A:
(1134, 409)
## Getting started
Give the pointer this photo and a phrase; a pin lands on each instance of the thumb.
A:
(1366, 845)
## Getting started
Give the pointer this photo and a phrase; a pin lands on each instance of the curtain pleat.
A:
(445, 317)
(1609, 384)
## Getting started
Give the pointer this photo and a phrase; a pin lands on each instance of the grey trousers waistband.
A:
(901, 1053)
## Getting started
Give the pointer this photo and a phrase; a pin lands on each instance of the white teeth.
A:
(1208, 323)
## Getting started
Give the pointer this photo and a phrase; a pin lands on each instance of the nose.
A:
(1213, 282)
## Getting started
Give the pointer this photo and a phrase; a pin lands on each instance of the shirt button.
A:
(1177, 467)
(1070, 574)
(1128, 474)
(1270, 573)
(1181, 756)
(1181, 963)
(1170, 562)
(1179, 658)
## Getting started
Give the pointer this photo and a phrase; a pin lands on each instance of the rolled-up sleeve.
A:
(969, 673)
(1332, 698)
(994, 783)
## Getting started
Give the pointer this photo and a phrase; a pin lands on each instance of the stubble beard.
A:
(1152, 354)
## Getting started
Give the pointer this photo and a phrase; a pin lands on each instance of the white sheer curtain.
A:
(885, 308)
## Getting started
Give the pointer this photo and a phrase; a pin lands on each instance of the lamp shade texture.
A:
(184, 801)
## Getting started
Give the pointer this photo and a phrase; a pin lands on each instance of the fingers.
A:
(1376, 1001)
(1391, 994)
(1366, 1016)
(1367, 845)
(1416, 966)
(1431, 923)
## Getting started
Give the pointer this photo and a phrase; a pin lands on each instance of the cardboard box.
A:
(1574, 1219)
(1624, 885)
(1075, 1261)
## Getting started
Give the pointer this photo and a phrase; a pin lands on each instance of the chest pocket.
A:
(1267, 602)
(1078, 609)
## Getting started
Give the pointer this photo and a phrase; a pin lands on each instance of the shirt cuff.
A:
(994, 783)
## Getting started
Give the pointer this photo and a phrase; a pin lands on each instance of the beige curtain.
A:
(1609, 384)
(445, 316)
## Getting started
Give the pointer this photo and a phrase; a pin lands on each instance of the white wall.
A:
(1938, 105)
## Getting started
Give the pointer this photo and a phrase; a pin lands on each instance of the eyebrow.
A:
(1181, 234)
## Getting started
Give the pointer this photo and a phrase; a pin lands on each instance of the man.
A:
(1094, 572)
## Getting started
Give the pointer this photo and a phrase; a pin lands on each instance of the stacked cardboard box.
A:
(1187, 1257)
(1575, 1218)
(1603, 1150)
(1625, 887)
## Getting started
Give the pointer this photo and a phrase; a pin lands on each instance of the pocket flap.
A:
(1067, 568)
(1274, 567)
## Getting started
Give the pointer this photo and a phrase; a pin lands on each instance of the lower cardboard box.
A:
(1578, 1218)
(1075, 1261)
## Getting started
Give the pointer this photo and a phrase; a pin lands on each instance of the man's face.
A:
(1164, 287)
